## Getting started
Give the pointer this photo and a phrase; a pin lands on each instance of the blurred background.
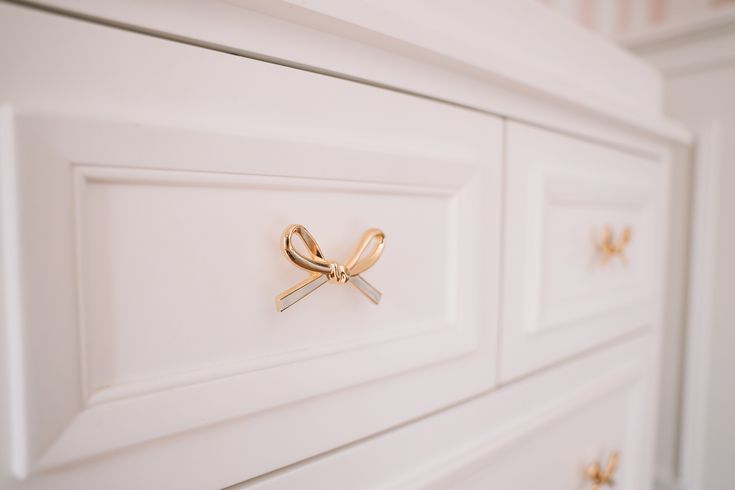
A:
(692, 43)
(617, 19)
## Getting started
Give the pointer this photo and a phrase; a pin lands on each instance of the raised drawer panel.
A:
(559, 452)
(148, 253)
(573, 279)
(541, 432)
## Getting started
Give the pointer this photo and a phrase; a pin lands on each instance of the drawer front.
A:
(583, 240)
(541, 432)
(148, 240)
(561, 451)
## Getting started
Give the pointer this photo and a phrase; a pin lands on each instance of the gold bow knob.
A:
(599, 477)
(325, 270)
(608, 246)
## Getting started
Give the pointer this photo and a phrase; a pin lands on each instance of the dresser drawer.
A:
(539, 433)
(563, 450)
(147, 227)
(582, 244)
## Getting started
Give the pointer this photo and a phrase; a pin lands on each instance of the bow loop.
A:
(358, 262)
(316, 262)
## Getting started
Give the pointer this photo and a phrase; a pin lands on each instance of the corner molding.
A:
(688, 47)
(702, 269)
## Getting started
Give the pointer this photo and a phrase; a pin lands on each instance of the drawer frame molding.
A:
(462, 463)
(458, 345)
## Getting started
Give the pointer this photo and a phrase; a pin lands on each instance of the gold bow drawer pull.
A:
(609, 246)
(600, 478)
(325, 270)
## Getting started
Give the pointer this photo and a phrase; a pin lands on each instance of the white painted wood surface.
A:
(155, 288)
(490, 442)
(465, 52)
(145, 183)
(589, 428)
(169, 303)
(697, 431)
(560, 298)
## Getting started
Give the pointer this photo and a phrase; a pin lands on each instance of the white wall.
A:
(706, 100)
(697, 442)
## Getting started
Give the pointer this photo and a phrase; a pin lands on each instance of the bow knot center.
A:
(338, 273)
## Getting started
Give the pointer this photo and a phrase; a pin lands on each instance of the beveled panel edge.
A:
(633, 196)
(84, 174)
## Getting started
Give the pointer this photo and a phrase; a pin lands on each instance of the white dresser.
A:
(151, 156)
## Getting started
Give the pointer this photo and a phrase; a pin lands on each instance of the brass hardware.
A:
(600, 478)
(325, 270)
(609, 247)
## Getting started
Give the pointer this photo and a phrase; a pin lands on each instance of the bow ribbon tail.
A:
(300, 291)
(366, 288)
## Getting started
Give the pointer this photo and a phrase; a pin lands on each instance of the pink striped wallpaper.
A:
(615, 18)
